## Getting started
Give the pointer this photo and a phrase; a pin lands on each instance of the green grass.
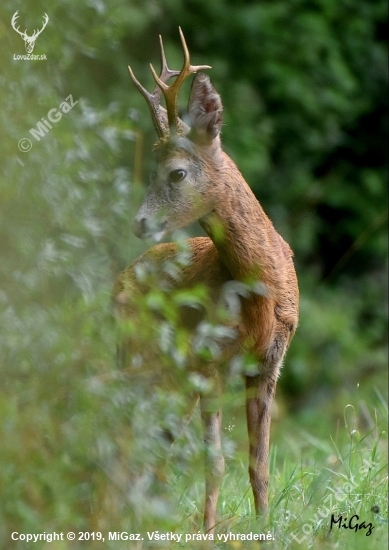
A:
(313, 476)
(82, 450)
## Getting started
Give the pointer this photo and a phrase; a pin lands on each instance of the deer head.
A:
(29, 41)
(182, 186)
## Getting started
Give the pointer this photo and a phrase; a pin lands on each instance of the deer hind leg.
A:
(211, 417)
(260, 392)
(259, 397)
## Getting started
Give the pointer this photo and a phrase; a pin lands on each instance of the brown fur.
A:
(242, 245)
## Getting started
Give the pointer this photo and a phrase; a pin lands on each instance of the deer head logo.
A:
(29, 41)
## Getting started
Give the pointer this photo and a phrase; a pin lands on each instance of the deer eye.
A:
(176, 176)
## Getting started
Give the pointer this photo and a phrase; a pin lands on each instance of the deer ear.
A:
(205, 110)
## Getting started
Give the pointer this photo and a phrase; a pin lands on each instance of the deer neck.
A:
(241, 231)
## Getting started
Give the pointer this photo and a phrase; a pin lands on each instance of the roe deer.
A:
(195, 180)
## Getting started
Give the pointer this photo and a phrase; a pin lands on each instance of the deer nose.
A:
(139, 227)
(144, 227)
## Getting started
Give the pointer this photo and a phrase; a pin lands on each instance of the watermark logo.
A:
(29, 41)
(24, 145)
(340, 495)
(43, 126)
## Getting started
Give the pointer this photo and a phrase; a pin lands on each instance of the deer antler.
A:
(45, 21)
(13, 23)
(24, 34)
(170, 92)
(154, 98)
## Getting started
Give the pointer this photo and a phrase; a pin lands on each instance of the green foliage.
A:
(83, 443)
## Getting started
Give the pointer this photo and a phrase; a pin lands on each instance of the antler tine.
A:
(166, 73)
(153, 99)
(13, 23)
(171, 92)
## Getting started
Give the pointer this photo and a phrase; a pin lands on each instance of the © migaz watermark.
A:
(43, 126)
(155, 536)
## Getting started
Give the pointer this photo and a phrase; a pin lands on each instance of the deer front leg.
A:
(211, 417)
(259, 397)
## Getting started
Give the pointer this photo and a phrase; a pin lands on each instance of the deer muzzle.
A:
(144, 227)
